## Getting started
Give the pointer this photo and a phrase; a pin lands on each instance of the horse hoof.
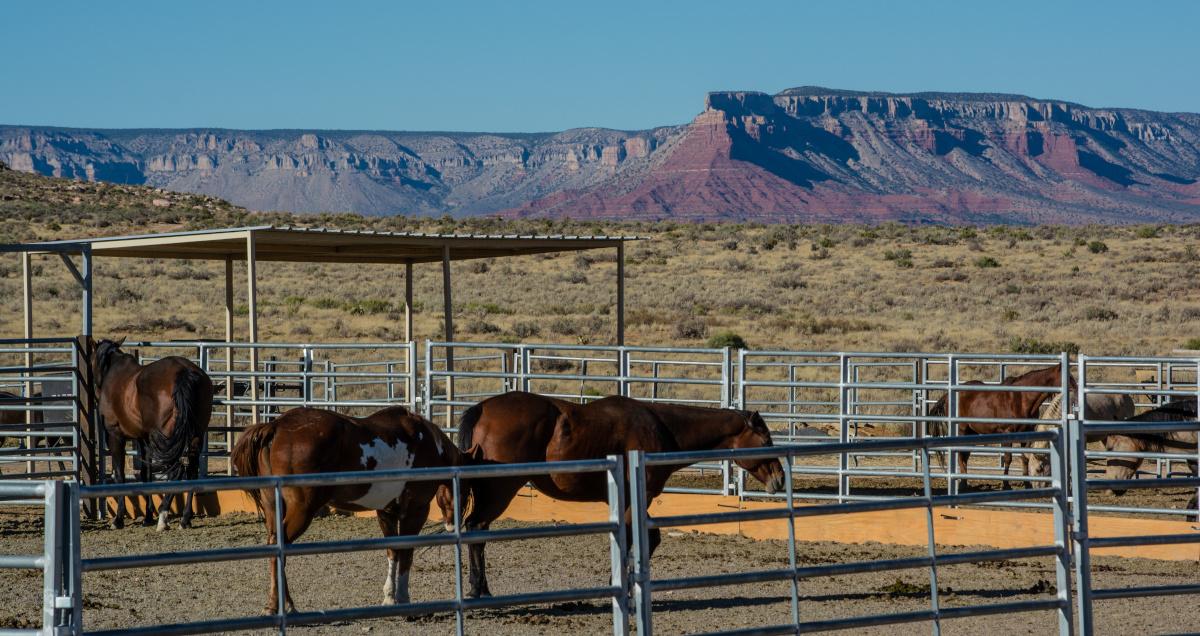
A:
(116, 524)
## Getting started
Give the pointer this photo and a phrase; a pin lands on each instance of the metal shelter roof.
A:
(285, 243)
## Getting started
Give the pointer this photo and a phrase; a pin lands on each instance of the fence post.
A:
(52, 553)
(1079, 521)
(843, 427)
(1062, 557)
(427, 407)
(410, 380)
(952, 424)
(741, 378)
(726, 383)
(640, 550)
(618, 549)
(73, 568)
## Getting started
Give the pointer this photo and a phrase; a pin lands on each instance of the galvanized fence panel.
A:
(1080, 430)
(60, 601)
(644, 585)
(613, 527)
(42, 414)
(807, 397)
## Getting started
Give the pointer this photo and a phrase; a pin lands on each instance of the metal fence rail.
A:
(614, 527)
(644, 585)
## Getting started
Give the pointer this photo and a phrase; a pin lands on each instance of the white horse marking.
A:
(387, 457)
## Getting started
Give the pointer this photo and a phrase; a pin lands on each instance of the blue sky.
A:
(542, 66)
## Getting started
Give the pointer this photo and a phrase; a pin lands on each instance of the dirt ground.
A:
(179, 593)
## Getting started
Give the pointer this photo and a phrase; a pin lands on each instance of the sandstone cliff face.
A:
(805, 154)
(811, 154)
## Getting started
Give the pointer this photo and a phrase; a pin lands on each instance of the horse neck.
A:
(695, 428)
(119, 374)
(1030, 401)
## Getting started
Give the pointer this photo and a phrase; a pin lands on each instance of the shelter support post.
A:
(408, 301)
(621, 294)
(27, 305)
(448, 308)
(228, 361)
(252, 303)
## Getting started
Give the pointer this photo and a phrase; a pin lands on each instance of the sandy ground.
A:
(179, 593)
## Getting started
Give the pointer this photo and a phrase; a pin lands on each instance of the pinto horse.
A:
(165, 407)
(1182, 442)
(1097, 406)
(519, 427)
(308, 440)
(999, 404)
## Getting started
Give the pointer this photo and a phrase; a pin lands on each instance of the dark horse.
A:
(999, 404)
(307, 440)
(164, 407)
(519, 427)
(1183, 442)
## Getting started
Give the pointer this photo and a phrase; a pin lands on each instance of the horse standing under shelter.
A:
(999, 404)
(519, 427)
(165, 407)
(308, 440)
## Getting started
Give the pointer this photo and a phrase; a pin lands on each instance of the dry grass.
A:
(790, 287)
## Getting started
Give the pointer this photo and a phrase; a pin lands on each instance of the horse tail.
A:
(246, 452)
(938, 429)
(466, 427)
(167, 450)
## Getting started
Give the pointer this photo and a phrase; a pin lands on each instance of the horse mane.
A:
(1053, 408)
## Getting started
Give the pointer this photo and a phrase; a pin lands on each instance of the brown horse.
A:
(307, 440)
(1183, 442)
(519, 427)
(164, 407)
(999, 404)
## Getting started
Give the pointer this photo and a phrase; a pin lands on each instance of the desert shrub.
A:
(564, 327)
(482, 326)
(327, 303)
(789, 281)
(525, 329)
(737, 265)
(1099, 313)
(986, 262)
(941, 263)
(368, 307)
(902, 258)
(819, 254)
(575, 278)
(1192, 343)
(726, 339)
(730, 245)
(479, 267)
(1097, 247)
(1035, 346)
(1147, 232)
(555, 364)
(954, 277)
(691, 328)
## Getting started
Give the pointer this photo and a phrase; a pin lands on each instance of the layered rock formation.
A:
(805, 154)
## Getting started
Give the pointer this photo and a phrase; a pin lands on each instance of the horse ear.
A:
(120, 342)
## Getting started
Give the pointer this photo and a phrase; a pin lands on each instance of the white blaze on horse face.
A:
(387, 457)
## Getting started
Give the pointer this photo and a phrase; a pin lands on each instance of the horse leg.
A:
(145, 475)
(964, 457)
(116, 448)
(489, 499)
(298, 508)
(1006, 462)
(193, 473)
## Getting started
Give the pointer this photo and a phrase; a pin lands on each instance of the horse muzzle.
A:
(775, 483)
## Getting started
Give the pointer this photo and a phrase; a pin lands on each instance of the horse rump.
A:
(166, 450)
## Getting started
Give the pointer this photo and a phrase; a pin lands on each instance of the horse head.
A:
(1122, 467)
(755, 434)
(104, 354)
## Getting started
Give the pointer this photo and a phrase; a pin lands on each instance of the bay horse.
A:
(1109, 407)
(519, 427)
(165, 407)
(999, 404)
(308, 440)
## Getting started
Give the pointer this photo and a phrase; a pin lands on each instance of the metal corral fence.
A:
(644, 585)
(42, 402)
(630, 572)
(70, 619)
(1082, 484)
